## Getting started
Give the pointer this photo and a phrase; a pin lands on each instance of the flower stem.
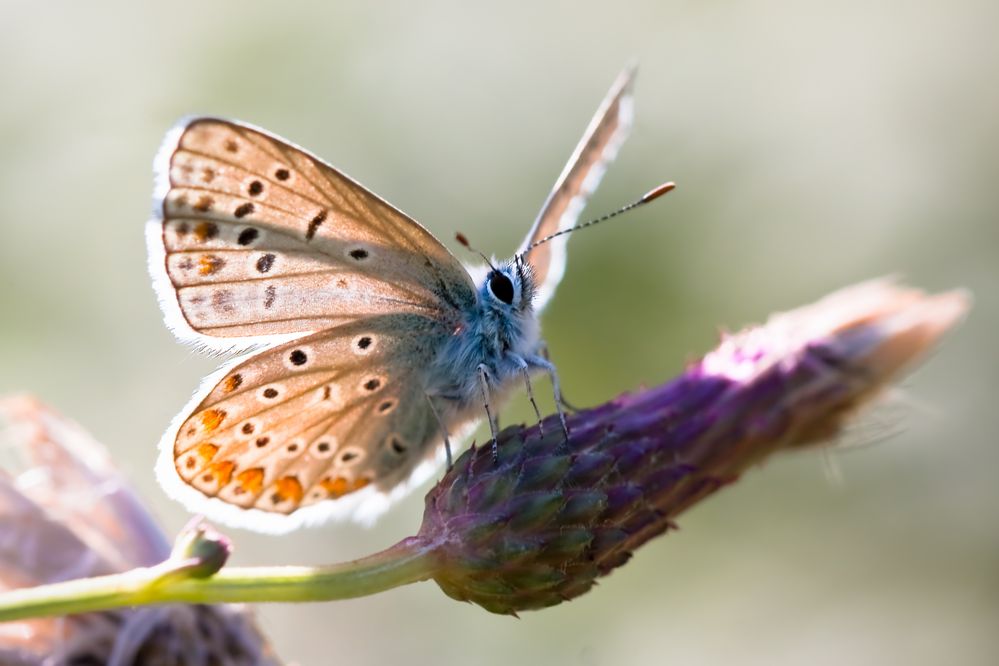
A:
(409, 561)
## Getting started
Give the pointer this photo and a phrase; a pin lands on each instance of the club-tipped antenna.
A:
(649, 196)
(461, 238)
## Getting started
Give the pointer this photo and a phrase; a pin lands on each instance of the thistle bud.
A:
(199, 551)
(539, 525)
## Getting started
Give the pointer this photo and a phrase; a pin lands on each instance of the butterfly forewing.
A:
(259, 238)
(314, 419)
(603, 137)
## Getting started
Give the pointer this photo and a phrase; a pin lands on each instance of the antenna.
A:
(651, 195)
(461, 238)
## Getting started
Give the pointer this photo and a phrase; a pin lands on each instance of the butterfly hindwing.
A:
(253, 237)
(311, 421)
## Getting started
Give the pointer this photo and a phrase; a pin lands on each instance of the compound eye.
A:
(502, 287)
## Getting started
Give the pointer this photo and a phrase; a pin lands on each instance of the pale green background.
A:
(814, 143)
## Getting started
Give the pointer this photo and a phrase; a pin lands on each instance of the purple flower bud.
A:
(541, 524)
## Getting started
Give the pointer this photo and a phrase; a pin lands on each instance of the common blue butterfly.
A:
(369, 342)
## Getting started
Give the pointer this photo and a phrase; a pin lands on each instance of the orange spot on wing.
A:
(361, 482)
(212, 419)
(222, 471)
(337, 487)
(203, 205)
(205, 230)
(251, 480)
(288, 488)
(232, 382)
(207, 451)
(209, 264)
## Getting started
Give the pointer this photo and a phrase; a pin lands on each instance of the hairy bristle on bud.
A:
(539, 525)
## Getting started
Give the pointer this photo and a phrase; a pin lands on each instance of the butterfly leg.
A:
(547, 366)
(525, 370)
(565, 403)
(447, 440)
(484, 383)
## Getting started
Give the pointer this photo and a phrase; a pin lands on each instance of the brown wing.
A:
(253, 237)
(603, 137)
(312, 420)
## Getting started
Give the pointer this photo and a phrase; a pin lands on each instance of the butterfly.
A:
(365, 343)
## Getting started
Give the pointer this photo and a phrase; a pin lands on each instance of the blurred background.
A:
(814, 144)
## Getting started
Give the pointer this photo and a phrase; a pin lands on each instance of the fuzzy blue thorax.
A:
(499, 332)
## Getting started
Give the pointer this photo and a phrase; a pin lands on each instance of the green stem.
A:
(409, 561)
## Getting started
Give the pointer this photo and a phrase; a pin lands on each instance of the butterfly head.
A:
(509, 287)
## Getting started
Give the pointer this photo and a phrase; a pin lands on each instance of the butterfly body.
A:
(368, 343)
(495, 337)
